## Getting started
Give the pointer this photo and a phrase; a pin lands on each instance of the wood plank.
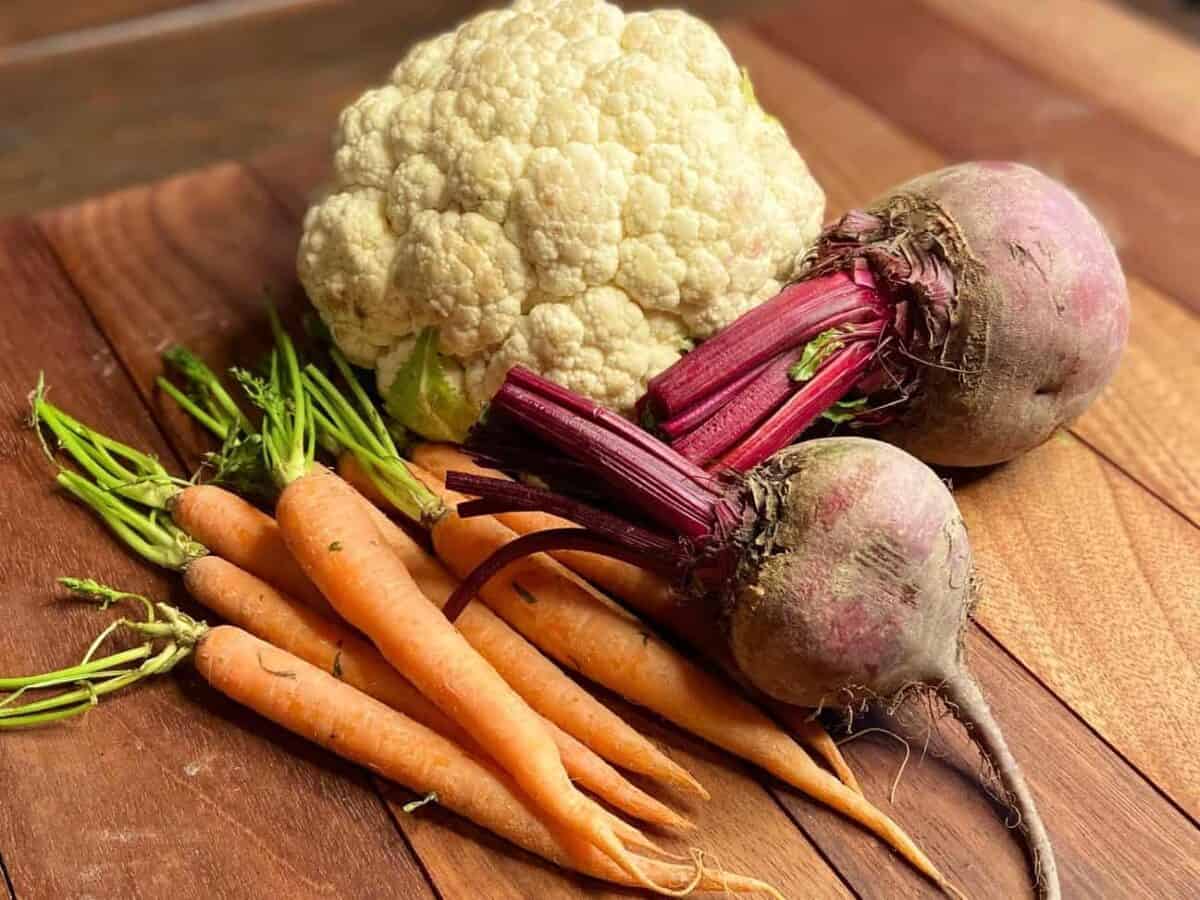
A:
(187, 98)
(856, 154)
(1099, 49)
(1145, 421)
(971, 102)
(172, 766)
(1099, 587)
(183, 99)
(27, 20)
(1103, 818)
(186, 260)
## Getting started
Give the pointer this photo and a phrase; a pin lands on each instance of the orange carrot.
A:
(313, 704)
(244, 600)
(340, 549)
(541, 683)
(605, 644)
(577, 625)
(246, 536)
(648, 593)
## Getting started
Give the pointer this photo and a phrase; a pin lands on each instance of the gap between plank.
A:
(429, 879)
(1020, 663)
(169, 21)
(762, 30)
(8, 885)
(1120, 468)
(262, 182)
(170, 442)
(773, 787)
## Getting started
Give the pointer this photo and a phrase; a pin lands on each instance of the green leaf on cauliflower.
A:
(424, 399)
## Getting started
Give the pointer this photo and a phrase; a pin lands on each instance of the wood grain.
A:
(1146, 420)
(1133, 65)
(188, 259)
(165, 105)
(143, 109)
(855, 155)
(1144, 190)
(1094, 807)
(26, 20)
(1097, 589)
(167, 769)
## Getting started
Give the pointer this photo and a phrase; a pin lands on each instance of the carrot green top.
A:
(93, 678)
(115, 466)
(353, 424)
(288, 437)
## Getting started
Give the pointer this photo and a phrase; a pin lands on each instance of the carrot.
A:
(335, 541)
(542, 684)
(319, 707)
(605, 644)
(246, 536)
(202, 518)
(213, 519)
(244, 600)
(647, 592)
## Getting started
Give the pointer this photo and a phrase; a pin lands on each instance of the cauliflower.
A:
(558, 185)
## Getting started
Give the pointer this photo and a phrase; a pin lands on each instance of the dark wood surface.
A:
(1089, 636)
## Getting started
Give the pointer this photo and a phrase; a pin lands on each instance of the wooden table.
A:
(1088, 637)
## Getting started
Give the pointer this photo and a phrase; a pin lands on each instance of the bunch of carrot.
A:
(349, 605)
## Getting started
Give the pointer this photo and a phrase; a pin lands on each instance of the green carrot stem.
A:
(180, 632)
(38, 719)
(364, 405)
(218, 427)
(97, 668)
(114, 466)
(219, 406)
(92, 692)
(149, 534)
(47, 682)
(288, 432)
(343, 426)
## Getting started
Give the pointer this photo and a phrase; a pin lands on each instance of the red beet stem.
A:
(499, 495)
(540, 542)
(791, 318)
(689, 419)
(646, 473)
(736, 421)
(837, 376)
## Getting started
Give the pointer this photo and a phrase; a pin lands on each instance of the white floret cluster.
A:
(561, 185)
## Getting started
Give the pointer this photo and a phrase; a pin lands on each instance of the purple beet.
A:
(964, 316)
(839, 568)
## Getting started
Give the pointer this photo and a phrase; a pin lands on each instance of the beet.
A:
(839, 568)
(990, 299)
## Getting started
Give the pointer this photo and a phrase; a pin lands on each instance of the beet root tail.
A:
(972, 710)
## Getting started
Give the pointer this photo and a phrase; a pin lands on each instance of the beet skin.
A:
(1019, 295)
(854, 586)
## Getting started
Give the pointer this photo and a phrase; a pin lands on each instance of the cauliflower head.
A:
(558, 185)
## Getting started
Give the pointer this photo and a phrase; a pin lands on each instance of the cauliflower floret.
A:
(561, 185)
(600, 344)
